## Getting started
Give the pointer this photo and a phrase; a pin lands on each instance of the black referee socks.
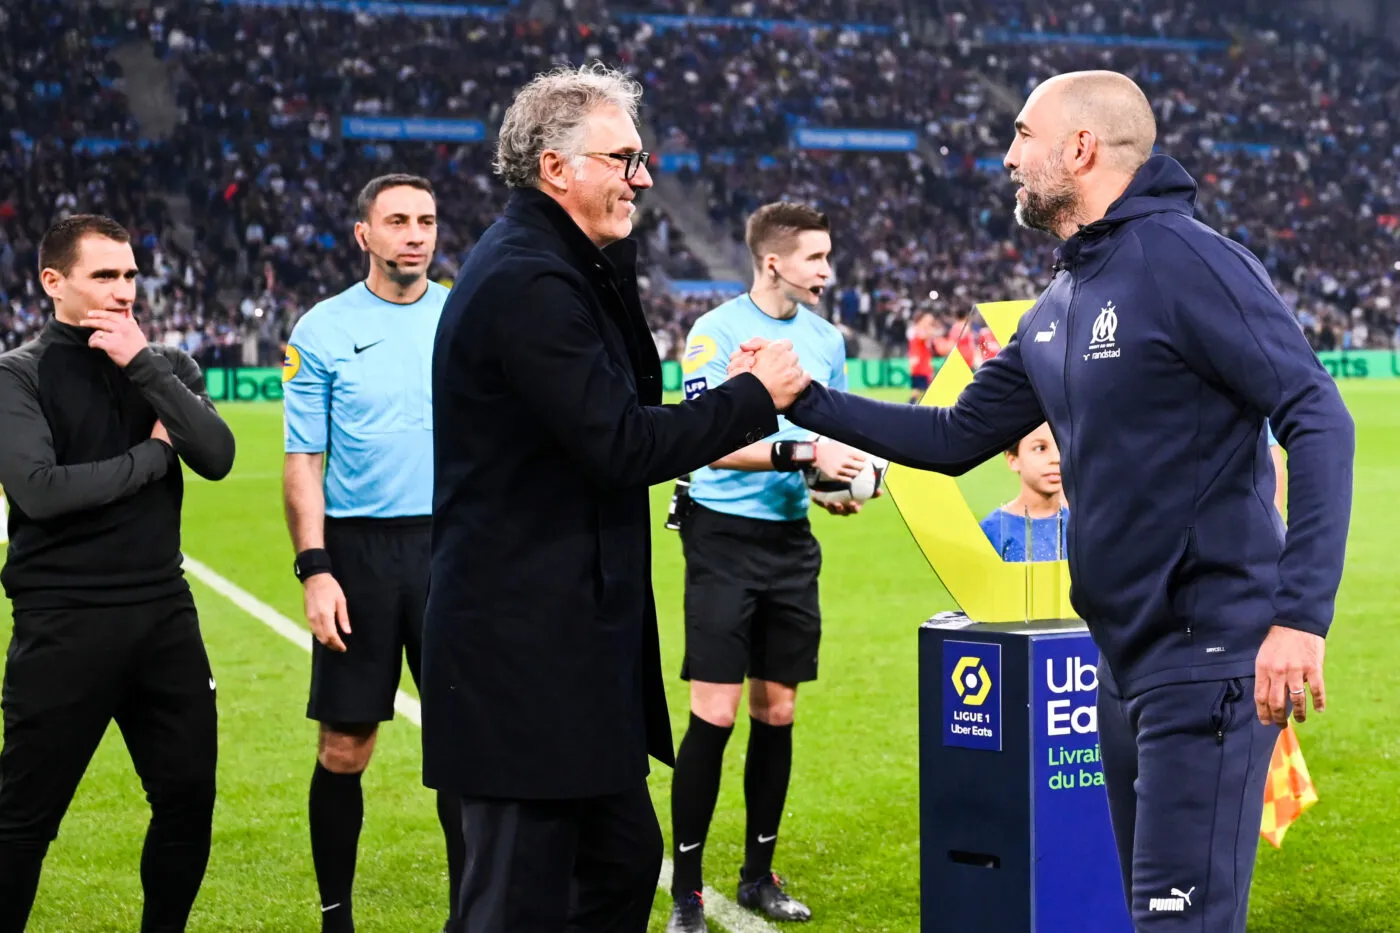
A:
(694, 789)
(766, 776)
(337, 810)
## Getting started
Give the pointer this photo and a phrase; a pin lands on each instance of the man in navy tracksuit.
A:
(1156, 354)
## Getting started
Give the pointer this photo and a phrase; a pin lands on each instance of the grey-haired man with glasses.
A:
(542, 688)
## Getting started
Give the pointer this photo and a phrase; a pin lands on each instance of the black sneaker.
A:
(766, 897)
(688, 916)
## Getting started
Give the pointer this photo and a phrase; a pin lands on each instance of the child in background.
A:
(1036, 458)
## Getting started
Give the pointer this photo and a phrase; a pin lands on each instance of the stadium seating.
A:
(1281, 120)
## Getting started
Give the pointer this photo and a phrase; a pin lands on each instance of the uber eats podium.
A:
(1014, 826)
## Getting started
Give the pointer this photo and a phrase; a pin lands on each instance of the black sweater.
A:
(94, 500)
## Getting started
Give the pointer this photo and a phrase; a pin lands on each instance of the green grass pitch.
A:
(850, 837)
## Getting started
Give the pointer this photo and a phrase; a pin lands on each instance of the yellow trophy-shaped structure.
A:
(946, 530)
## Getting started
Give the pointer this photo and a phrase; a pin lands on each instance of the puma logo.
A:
(1178, 902)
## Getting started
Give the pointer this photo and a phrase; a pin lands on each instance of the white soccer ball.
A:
(828, 491)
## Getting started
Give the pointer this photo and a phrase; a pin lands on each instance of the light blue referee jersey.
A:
(821, 349)
(357, 386)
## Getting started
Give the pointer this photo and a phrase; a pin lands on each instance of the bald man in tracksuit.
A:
(1157, 353)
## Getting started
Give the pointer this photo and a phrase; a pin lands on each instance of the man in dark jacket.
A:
(542, 685)
(1157, 353)
(93, 424)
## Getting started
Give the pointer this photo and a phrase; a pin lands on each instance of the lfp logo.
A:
(972, 695)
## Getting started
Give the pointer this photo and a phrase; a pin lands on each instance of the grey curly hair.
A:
(551, 112)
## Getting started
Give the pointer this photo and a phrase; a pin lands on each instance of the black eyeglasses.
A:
(631, 161)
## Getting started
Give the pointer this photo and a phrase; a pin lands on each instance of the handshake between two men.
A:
(776, 365)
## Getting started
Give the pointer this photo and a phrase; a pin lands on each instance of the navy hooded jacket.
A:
(1156, 354)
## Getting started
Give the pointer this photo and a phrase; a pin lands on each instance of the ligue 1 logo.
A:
(971, 695)
(971, 681)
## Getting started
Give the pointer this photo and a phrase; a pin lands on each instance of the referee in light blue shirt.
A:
(358, 488)
(751, 567)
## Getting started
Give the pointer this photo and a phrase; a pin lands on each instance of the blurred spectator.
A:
(1288, 125)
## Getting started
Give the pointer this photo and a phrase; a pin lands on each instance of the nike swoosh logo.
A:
(693, 845)
(360, 349)
(764, 840)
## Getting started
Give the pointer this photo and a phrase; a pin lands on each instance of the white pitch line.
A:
(717, 907)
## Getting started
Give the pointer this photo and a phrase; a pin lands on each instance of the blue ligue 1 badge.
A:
(694, 388)
(972, 695)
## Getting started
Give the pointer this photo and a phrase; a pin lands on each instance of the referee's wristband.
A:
(791, 456)
(311, 562)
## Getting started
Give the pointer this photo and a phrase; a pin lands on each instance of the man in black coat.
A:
(542, 685)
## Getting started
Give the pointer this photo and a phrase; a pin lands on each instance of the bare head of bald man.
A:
(1079, 139)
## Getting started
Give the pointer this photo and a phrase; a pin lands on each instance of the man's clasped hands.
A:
(775, 364)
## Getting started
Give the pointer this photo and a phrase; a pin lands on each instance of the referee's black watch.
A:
(791, 456)
(311, 562)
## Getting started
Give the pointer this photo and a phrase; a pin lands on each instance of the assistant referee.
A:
(93, 425)
(358, 488)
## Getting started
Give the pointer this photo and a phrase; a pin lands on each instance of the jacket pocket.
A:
(1180, 591)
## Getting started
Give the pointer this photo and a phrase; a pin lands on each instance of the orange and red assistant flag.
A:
(1289, 790)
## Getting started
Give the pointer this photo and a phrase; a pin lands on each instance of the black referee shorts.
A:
(382, 566)
(751, 602)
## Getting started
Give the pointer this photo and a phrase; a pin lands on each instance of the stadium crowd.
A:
(1287, 125)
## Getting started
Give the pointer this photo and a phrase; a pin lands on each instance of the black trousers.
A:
(560, 866)
(68, 674)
